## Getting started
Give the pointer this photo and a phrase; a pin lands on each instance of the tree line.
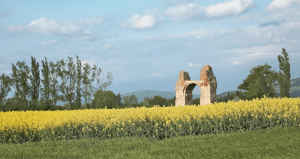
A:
(76, 84)
(34, 93)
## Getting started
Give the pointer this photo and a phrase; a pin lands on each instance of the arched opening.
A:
(190, 99)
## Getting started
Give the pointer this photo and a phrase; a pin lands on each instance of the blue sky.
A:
(145, 44)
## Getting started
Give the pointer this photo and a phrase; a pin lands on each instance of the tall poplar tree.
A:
(20, 77)
(87, 82)
(284, 79)
(46, 82)
(35, 82)
(78, 82)
(60, 70)
(5, 82)
(54, 87)
(68, 78)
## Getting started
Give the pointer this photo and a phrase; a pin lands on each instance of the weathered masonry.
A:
(208, 87)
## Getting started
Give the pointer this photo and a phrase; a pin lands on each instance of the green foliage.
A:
(51, 87)
(4, 89)
(118, 99)
(285, 77)
(78, 83)
(54, 87)
(104, 98)
(19, 80)
(35, 82)
(46, 82)
(196, 101)
(260, 82)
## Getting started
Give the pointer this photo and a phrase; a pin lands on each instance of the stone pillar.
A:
(208, 87)
(180, 88)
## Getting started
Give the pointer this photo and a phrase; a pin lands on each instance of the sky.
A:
(145, 44)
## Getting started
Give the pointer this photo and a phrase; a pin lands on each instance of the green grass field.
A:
(270, 143)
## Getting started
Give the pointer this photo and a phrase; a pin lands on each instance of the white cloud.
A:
(291, 26)
(143, 22)
(196, 34)
(254, 53)
(87, 32)
(106, 46)
(91, 21)
(185, 12)
(51, 42)
(281, 4)
(279, 40)
(46, 26)
(139, 22)
(192, 11)
(147, 21)
(246, 17)
(229, 8)
(191, 65)
(67, 27)
(265, 48)
(236, 63)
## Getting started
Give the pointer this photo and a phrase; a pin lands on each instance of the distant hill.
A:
(294, 92)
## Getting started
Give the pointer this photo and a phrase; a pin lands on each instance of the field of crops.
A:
(157, 122)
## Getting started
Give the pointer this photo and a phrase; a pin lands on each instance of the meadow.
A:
(266, 128)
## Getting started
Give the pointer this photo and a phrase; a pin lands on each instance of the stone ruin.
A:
(208, 86)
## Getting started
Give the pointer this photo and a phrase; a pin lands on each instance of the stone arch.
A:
(207, 84)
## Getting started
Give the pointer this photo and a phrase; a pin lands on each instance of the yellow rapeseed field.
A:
(23, 126)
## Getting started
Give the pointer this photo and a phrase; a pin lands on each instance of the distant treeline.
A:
(34, 93)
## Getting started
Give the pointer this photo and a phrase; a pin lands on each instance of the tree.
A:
(35, 83)
(196, 101)
(118, 99)
(20, 77)
(5, 82)
(108, 101)
(126, 100)
(260, 82)
(145, 103)
(133, 101)
(72, 80)
(54, 87)
(68, 81)
(228, 96)
(78, 81)
(102, 96)
(284, 80)
(46, 82)
(241, 95)
(157, 100)
(61, 73)
(87, 82)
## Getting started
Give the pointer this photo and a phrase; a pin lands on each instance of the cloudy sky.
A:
(144, 44)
